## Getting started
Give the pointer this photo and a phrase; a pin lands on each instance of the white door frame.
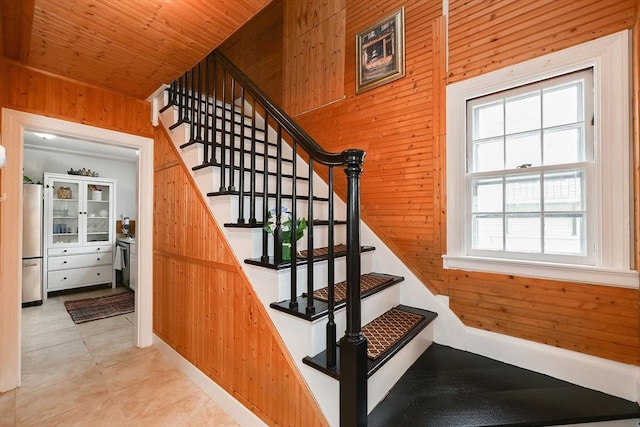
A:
(13, 125)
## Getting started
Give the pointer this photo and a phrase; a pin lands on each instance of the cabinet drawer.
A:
(64, 279)
(78, 261)
(74, 250)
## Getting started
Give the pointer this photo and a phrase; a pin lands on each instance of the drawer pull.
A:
(98, 259)
(98, 249)
(64, 278)
(98, 274)
(64, 262)
(65, 251)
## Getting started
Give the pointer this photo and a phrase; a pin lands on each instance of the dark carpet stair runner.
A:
(386, 336)
(370, 284)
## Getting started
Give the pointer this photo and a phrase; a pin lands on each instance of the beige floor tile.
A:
(48, 326)
(145, 365)
(51, 365)
(113, 346)
(103, 325)
(52, 356)
(48, 339)
(46, 312)
(110, 336)
(86, 391)
(193, 410)
(107, 415)
(7, 408)
(132, 317)
(153, 394)
(40, 378)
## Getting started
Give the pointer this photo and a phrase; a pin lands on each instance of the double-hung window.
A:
(538, 168)
(529, 162)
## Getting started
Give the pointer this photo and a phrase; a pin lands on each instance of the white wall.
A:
(36, 163)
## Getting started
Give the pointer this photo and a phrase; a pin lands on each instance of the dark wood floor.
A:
(453, 388)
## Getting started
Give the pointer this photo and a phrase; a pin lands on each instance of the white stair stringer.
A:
(301, 337)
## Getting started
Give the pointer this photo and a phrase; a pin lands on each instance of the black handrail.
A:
(308, 144)
(218, 122)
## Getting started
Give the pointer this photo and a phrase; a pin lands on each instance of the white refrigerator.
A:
(32, 216)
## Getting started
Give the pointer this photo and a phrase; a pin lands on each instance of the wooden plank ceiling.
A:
(128, 46)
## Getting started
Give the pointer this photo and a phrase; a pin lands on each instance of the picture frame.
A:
(380, 52)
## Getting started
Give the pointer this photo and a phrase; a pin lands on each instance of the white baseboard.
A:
(231, 406)
(614, 378)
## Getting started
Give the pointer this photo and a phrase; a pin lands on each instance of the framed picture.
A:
(380, 52)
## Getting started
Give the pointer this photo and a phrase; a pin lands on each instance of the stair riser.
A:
(193, 156)
(247, 237)
(310, 337)
(381, 382)
(372, 307)
(229, 214)
(320, 278)
(183, 133)
(198, 158)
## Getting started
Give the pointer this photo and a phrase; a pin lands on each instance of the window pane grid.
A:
(543, 212)
(526, 119)
(529, 157)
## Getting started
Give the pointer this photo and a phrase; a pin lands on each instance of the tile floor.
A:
(92, 374)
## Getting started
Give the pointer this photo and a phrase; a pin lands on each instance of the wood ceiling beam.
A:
(16, 27)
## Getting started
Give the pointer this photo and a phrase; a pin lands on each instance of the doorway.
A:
(14, 125)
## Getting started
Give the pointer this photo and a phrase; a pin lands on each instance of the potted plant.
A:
(286, 228)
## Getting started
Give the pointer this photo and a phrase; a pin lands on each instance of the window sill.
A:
(563, 272)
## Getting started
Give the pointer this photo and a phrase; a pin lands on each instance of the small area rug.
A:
(89, 309)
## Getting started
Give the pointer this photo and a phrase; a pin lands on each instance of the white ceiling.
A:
(63, 144)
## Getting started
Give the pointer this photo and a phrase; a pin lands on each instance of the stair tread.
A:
(299, 261)
(370, 283)
(246, 170)
(261, 224)
(269, 195)
(384, 331)
(374, 364)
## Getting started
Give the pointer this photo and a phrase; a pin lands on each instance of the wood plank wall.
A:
(486, 36)
(26, 89)
(204, 307)
(263, 33)
(314, 43)
(394, 124)
(401, 126)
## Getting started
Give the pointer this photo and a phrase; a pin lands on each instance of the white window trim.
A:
(609, 57)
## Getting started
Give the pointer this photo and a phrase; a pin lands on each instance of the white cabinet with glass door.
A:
(79, 230)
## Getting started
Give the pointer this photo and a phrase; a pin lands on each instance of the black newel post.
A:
(353, 346)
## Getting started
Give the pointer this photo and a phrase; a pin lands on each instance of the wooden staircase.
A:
(247, 160)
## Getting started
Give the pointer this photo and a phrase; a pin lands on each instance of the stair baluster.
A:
(241, 177)
(293, 302)
(253, 164)
(208, 148)
(265, 197)
(232, 135)
(185, 94)
(331, 278)
(214, 118)
(192, 105)
(310, 218)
